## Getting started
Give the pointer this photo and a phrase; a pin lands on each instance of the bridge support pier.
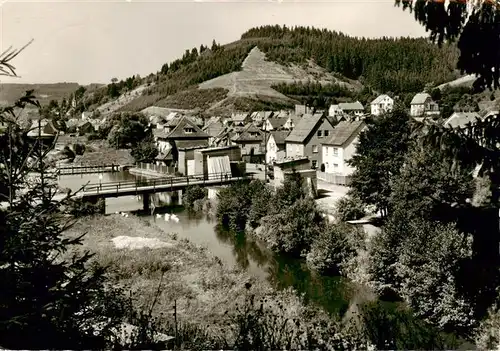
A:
(179, 195)
(146, 202)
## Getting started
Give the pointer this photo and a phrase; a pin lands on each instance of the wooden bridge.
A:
(94, 192)
(71, 170)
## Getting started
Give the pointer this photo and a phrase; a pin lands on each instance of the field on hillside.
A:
(258, 75)
(10, 92)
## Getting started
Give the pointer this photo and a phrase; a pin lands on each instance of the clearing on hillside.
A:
(258, 75)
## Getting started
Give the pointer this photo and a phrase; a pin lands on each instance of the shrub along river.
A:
(334, 294)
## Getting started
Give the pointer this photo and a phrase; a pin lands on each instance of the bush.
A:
(68, 153)
(421, 261)
(349, 208)
(79, 149)
(79, 207)
(191, 194)
(334, 248)
(235, 202)
(293, 230)
(94, 136)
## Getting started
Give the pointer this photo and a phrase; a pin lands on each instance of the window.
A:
(315, 148)
(335, 166)
(335, 151)
(320, 135)
(326, 151)
(327, 132)
(314, 164)
(188, 130)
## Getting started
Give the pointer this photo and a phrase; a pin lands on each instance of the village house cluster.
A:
(303, 139)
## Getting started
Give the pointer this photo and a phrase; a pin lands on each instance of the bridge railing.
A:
(162, 182)
(68, 170)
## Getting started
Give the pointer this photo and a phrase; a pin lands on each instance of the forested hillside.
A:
(387, 64)
(403, 65)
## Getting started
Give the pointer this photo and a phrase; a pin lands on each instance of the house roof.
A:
(281, 114)
(178, 131)
(343, 131)
(380, 98)
(460, 119)
(165, 155)
(277, 122)
(279, 136)
(239, 117)
(304, 128)
(420, 98)
(351, 106)
(47, 128)
(213, 129)
(187, 144)
(246, 134)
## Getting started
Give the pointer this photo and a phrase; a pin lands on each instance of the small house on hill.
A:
(251, 143)
(352, 108)
(461, 119)
(423, 105)
(276, 147)
(382, 104)
(305, 139)
(340, 147)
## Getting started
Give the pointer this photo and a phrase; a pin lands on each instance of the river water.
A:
(332, 293)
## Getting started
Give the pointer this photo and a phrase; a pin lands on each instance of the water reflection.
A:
(332, 293)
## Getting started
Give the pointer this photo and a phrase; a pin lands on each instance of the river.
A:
(332, 293)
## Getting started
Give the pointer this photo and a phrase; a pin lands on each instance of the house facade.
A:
(182, 133)
(251, 142)
(339, 149)
(275, 147)
(305, 139)
(423, 105)
(352, 108)
(382, 104)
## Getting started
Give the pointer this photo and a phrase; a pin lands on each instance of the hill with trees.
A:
(285, 56)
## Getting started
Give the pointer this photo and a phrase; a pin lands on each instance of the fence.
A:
(150, 167)
(333, 178)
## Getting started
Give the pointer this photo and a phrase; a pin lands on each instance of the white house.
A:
(275, 148)
(382, 104)
(423, 105)
(340, 148)
(334, 111)
(352, 108)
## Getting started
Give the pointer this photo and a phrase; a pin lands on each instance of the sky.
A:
(91, 42)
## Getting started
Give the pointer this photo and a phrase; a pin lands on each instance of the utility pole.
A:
(265, 151)
(40, 157)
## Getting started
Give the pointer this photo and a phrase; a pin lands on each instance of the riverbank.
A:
(137, 253)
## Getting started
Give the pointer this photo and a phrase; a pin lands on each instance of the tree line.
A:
(386, 64)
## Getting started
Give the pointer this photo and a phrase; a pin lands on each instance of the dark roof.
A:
(246, 134)
(178, 131)
(343, 132)
(279, 136)
(190, 144)
(277, 122)
(304, 128)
